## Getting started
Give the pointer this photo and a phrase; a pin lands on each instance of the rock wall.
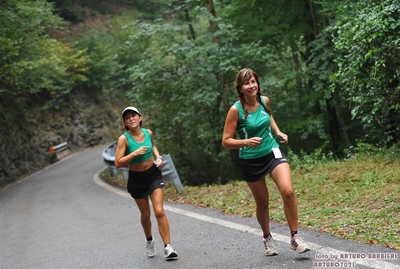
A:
(83, 122)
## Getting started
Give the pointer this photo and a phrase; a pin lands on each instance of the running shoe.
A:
(169, 253)
(270, 249)
(150, 250)
(297, 243)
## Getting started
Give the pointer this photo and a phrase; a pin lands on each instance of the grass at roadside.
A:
(357, 199)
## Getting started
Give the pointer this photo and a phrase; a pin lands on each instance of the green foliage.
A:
(272, 22)
(23, 26)
(183, 80)
(355, 199)
(286, 26)
(65, 67)
(32, 63)
(362, 149)
(102, 60)
(367, 55)
(86, 10)
(185, 88)
(307, 161)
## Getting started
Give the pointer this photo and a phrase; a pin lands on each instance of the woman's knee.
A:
(262, 208)
(262, 204)
(159, 214)
(288, 195)
(145, 215)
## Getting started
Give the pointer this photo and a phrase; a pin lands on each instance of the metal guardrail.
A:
(57, 149)
(55, 144)
(167, 170)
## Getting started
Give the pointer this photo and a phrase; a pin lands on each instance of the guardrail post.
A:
(167, 170)
(125, 173)
(57, 148)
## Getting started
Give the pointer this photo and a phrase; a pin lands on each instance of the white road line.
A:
(378, 264)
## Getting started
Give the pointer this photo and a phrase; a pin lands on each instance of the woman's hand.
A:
(141, 150)
(159, 162)
(253, 142)
(283, 138)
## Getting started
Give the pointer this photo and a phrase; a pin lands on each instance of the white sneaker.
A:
(297, 243)
(169, 253)
(150, 250)
(270, 249)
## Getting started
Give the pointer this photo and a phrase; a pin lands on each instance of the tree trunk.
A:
(213, 23)
(189, 22)
(333, 123)
(340, 115)
(296, 63)
(330, 107)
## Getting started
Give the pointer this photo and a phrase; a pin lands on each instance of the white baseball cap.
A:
(130, 108)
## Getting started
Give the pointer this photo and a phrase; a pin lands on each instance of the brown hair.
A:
(242, 76)
(126, 127)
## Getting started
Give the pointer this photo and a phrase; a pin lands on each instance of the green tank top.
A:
(257, 124)
(133, 145)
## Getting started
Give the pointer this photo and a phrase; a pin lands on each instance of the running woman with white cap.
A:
(136, 149)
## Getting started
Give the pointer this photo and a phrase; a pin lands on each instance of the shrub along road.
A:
(66, 217)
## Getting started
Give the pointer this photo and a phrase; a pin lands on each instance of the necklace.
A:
(251, 104)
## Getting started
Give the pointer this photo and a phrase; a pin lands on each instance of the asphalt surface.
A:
(66, 217)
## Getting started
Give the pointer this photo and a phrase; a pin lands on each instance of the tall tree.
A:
(212, 20)
(290, 26)
(185, 83)
(32, 62)
(367, 55)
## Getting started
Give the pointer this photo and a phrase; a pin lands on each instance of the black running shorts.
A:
(254, 169)
(142, 184)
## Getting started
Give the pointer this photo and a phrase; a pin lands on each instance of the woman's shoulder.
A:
(123, 137)
(233, 112)
(236, 105)
(265, 99)
(148, 131)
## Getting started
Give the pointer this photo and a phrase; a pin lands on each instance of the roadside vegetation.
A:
(356, 198)
(330, 68)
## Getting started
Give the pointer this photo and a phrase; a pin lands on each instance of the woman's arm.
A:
(228, 137)
(120, 158)
(284, 139)
(156, 154)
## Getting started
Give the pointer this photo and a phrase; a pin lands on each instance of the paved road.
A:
(66, 217)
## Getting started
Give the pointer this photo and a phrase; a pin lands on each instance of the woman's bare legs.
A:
(282, 177)
(144, 208)
(157, 199)
(260, 194)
